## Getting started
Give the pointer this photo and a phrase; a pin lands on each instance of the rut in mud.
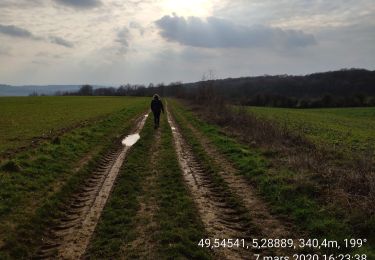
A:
(69, 238)
(268, 225)
(221, 220)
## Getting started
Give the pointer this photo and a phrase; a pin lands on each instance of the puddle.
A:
(130, 139)
(171, 125)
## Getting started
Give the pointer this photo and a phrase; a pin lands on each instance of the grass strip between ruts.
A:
(179, 228)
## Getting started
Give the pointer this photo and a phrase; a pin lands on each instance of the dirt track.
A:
(220, 219)
(70, 237)
(267, 224)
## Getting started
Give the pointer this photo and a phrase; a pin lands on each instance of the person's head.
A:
(156, 96)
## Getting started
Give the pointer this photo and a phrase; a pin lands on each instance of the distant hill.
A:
(346, 87)
(7, 90)
(346, 82)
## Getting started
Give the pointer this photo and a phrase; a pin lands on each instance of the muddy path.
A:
(144, 245)
(269, 226)
(70, 236)
(221, 220)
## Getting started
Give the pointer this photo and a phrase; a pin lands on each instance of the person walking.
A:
(156, 107)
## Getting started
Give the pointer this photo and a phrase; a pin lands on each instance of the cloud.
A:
(60, 41)
(5, 51)
(80, 4)
(123, 37)
(137, 26)
(105, 52)
(18, 32)
(15, 31)
(299, 13)
(219, 33)
(20, 3)
(43, 54)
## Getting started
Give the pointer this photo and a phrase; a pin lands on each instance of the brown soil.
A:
(220, 219)
(270, 226)
(70, 236)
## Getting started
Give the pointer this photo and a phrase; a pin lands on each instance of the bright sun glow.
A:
(188, 7)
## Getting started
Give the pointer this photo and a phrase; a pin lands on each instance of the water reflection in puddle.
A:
(130, 139)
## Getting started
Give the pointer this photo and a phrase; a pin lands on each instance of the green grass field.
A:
(344, 128)
(23, 118)
(41, 177)
(151, 203)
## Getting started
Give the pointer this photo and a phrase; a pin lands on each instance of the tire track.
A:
(220, 219)
(267, 225)
(69, 238)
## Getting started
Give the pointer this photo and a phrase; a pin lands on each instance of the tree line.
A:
(343, 88)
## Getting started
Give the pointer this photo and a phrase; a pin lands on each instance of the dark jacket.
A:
(157, 106)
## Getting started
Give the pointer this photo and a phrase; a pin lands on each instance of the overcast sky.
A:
(134, 41)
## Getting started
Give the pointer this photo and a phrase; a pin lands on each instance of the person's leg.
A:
(157, 119)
